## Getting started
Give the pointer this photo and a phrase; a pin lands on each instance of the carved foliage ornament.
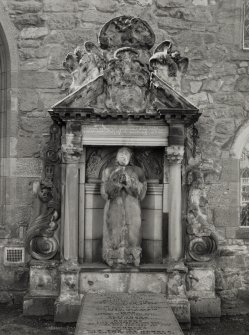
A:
(41, 239)
(175, 154)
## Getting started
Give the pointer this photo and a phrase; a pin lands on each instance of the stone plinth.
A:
(116, 313)
(44, 288)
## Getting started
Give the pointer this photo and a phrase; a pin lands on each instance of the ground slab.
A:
(125, 313)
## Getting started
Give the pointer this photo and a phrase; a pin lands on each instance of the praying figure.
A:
(123, 187)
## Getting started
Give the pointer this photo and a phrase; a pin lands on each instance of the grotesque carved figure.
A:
(84, 64)
(168, 64)
(123, 187)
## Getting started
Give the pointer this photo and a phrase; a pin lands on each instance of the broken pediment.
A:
(121, 76)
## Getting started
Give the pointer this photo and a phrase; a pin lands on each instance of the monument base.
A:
(38, 305)
(67, 310)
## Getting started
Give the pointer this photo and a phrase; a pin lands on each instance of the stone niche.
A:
(121, 94)
(152, 206)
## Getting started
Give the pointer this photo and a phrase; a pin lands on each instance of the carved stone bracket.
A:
(175, 154)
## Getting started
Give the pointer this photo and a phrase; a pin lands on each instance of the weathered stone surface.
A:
(59, 6)
(61, 20)
(41, 79)
(242, 84)
(34, 33)
(26, 6)
(195, 86)
(134, 314)
(123, 282)
(29, 19)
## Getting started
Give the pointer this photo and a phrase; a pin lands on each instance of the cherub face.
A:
(123, 156)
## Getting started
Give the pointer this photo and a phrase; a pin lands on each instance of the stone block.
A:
(38, 306)
(242, 84)
(59, 6)
(44, 279)
(28, 99)
(231, 232)
(230, 171)
(60, 20)
(67, 310)
(34, 33)
(181, 309)
(205, 308)
(26, 6)
(162, 4)
(122, 282)
(226, 216)
(201, 283)
(41, 79)
(28, 167)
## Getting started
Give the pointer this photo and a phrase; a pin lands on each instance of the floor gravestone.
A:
(126, 313)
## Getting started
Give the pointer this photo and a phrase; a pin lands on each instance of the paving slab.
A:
(125, 313)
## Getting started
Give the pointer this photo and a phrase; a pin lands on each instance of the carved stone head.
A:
(124, 156)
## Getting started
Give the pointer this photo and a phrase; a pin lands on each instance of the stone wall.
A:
(208, 32)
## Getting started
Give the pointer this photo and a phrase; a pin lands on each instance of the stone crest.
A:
(129, 78)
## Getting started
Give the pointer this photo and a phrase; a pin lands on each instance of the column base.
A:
(67, 309)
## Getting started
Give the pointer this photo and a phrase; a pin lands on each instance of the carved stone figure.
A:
(123, 187)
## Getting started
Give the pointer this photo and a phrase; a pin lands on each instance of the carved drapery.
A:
(41, 240)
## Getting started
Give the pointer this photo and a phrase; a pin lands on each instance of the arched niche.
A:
(8, 101)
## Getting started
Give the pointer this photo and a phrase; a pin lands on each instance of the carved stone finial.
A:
(175, 154)
(85, 64)
(168, 64)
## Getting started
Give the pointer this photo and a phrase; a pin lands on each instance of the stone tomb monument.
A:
(108, 214)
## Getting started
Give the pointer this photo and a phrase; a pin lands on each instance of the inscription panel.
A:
(138, 135)
(124, 313)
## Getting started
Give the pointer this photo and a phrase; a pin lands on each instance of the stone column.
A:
(175, 156)
(69, 301)
(82, 206)
(71, 157)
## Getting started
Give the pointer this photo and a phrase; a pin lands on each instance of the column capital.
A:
(71, 154)
(175, 154)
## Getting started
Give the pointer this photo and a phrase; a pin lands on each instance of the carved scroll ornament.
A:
(202, 237)
(41, 242)
(41, 239)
